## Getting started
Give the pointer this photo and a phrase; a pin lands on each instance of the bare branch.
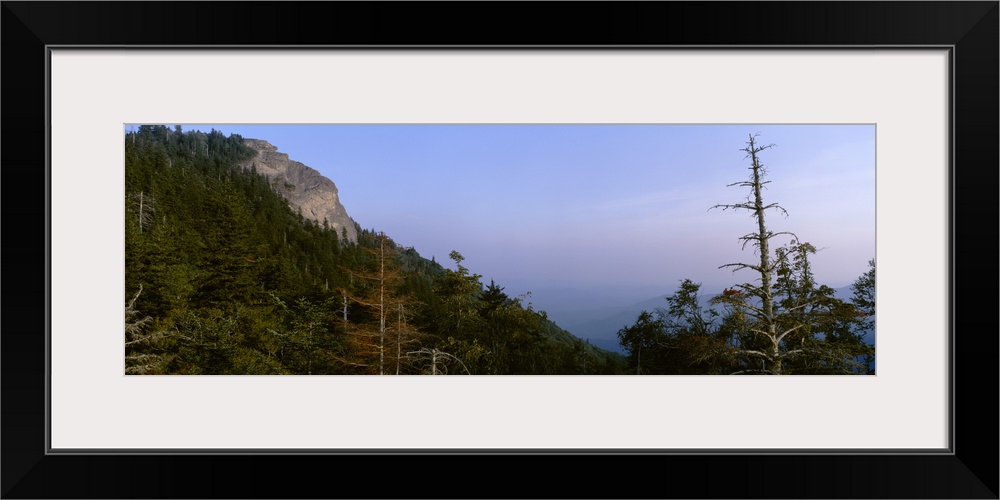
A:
(745, 206)
(750, 352)
(800, 306)
(790, 330)
(149, 338)
(738, 302)
(131, 303)
(744, 372)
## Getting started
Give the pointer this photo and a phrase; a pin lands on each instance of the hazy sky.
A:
(595, 206)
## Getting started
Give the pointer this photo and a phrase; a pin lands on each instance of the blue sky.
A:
(612, 207)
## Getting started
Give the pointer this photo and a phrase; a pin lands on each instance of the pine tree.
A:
(641, 339)
(459, 290)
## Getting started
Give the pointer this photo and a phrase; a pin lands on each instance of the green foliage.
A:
(684, 338)
(144, 350)
(647, 334)
(783, 322)
(233, 281)
(863, 290)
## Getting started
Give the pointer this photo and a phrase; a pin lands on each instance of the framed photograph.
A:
(916, 83)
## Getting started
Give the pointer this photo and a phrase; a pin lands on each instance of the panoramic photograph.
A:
(499, 249)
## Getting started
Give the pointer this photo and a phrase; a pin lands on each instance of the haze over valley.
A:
(586, 225)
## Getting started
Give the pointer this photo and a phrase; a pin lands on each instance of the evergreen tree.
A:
(233, 281)
(459, 293)
(645, 336)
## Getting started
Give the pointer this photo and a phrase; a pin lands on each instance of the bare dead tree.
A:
(435, 362)
(137, 362)
(763, 309)
(375, 340)
(144, 207)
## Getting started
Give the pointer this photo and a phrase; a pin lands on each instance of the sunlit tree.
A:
(381, 341)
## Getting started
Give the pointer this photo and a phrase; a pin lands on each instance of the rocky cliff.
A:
(305, 188)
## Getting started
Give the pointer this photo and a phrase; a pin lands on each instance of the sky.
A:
(624, 209)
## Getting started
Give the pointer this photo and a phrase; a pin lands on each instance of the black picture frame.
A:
(970, 470)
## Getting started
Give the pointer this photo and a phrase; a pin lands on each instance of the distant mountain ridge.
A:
(600, 326)
(305, 188)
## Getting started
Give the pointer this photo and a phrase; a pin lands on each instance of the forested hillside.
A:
(222, 277)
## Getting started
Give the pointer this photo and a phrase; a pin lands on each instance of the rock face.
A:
(304, 187)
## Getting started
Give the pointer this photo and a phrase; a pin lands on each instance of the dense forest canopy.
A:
(222, 277)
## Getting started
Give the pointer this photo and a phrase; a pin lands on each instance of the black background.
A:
(971, 472)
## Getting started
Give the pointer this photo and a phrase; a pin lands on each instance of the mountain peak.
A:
(304, 188)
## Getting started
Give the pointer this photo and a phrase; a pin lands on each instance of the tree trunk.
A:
(767, 295)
